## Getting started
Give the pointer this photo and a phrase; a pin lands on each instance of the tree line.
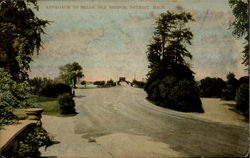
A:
(231, 89)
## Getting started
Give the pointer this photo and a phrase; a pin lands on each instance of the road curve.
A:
(108, 114)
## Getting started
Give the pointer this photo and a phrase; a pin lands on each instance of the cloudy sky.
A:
(109, 37)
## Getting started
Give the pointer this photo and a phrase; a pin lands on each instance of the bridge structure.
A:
(123, 79)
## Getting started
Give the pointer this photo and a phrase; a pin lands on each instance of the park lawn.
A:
(49, 105)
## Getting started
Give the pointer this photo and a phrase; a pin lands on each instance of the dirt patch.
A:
(221, 111)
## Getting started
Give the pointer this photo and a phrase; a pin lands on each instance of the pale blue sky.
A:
(109, 43)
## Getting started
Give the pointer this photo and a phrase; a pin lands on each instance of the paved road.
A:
(125, 124)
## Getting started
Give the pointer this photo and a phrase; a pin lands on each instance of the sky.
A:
(109, 38)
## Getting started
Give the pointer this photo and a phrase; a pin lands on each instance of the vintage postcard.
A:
(124, 78)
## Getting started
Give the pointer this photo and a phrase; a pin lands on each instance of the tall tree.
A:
(20, 36)
(167, 51)
(71, 73)
(170, 80)
(240, 25)
(231, 86)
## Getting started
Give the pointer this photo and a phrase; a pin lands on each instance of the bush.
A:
(152, 90)
(242, 99)
(49, 88)
(67, 104)
(99, 83)
(181, 95)
(185, 96)
(30, 143)
(12, 95)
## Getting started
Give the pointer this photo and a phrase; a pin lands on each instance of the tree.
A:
(71, 73)
(110, 83)
(244, 79)
(84, 83)
(99, 83)
(168, 66)
(212, 87)
(242, 99)
(20, 36)
(240, 25)
(231, 86)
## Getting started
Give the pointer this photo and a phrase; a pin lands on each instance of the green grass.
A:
(50, 106)
(43, 99)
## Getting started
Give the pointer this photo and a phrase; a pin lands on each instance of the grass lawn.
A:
(50, 106)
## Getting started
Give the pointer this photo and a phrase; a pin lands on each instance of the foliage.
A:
(12, 95)
(99, 83)
(103, 84)
(53, 89)
(138, 84)
(110, 83)
(71, 73)
(231, 86)
(83, 82)
(185, 96)
(20, 35)
(181, 95)
(36, 83)
(168, 66)
(212, 87)
(167, 51)
(67, 104)
(49, 88)
(242, 99)
(244, 79)
(28, 146)
(240, 25)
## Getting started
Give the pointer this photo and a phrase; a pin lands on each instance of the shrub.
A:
(67, 104)
(12, 95)
(29, 145)
(242, 99)
(181, 95)
(99, 83)
(185, 96)
(151, 89)
(166, 87)
(49, 88)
